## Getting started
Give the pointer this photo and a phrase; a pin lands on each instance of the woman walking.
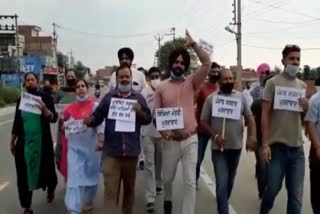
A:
(83, 158)
(32, 146)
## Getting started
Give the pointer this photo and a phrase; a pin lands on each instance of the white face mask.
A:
(292, 70)
(155, 83)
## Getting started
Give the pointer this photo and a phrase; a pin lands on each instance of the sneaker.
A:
(150, 207)
(167, 207)
(159, 190)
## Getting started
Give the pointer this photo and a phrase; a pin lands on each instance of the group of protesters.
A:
(91, 139)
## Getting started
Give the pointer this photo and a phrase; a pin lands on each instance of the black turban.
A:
(127, 51)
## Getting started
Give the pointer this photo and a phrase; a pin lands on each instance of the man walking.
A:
(282, 133)
(152, 144)
(227, 136)
(181, 145)
(206, 89)
(122, 144)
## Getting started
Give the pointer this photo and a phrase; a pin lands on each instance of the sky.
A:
(95, 29)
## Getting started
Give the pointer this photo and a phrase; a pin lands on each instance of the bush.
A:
(2, 102)
(9, 95)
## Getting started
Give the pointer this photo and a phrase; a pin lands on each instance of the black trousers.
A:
(315, 186)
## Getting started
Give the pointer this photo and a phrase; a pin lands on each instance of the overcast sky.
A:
(267, 26)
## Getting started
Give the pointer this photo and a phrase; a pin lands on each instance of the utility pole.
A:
(239, 45)
(159, 38)
(18, 51)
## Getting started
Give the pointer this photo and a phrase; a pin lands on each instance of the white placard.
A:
(287, 98)
(169, 118)
(226, 107)
(125, 126)
(121, 109)
(207, 47)
(74, 127)
(29, 103)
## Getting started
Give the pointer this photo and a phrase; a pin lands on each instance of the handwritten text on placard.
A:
(226, 107)
(29, 103)
(287, 98)
(169, 118)
(121, 109)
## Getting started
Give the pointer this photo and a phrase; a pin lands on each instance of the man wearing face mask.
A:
(256, 88)
(282, 137)
(182, 144)
(121, 148)
(226, 160)
(126, 56)
(65, 95)
(206, 89)
(152, 145)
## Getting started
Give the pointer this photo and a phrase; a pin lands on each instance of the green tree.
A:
(168, 47)
(299, 75)
(317, 72)
(80, 69)
(306, 72)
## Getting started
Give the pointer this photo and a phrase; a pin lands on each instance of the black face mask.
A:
(71, 82)
(177, 72)
(213, 78)
(227, 87)
(31, 89)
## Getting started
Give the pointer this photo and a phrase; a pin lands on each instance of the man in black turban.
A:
(125, 56)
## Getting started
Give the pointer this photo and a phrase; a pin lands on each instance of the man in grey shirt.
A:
(226, 149)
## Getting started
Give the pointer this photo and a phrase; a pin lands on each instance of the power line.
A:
(108, 35)
(282, 22)
(275, 48)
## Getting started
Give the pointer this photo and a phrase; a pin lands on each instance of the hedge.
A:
(8, 95)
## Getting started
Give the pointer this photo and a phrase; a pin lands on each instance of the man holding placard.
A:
(222, 117)
(124, 111)
(174, 100)
(283, 108)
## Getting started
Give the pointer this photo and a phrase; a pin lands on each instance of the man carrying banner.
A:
(222, 117)
(181, 145)
(122, 139)
(126, 56)
(206, 89)
(282, 134)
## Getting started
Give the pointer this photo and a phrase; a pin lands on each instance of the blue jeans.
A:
(225, 166)
(202, 146)
(288, 163)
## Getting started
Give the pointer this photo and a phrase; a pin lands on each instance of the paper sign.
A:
(29, 103)
(169, 118)
(287, 98)
(121, 109)
(226, 107)
(208, 48)
(74, 127)
(125, 126)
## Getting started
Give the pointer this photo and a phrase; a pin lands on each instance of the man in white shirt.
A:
(152, 146)
(126, 56)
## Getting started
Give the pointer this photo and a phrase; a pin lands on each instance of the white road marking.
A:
(3, 185)
(5, 122)
(212, 187)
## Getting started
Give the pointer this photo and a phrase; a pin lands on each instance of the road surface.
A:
(244, 199)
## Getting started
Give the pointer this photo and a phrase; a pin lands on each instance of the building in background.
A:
(105, 74)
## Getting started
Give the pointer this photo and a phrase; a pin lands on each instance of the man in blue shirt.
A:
(121, 148)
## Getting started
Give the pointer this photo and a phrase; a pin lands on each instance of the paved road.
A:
(244, 199)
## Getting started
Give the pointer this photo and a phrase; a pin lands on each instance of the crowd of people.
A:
(91, 139)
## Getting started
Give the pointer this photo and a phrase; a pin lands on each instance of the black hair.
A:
(317, 82)
(83, 80)
(140, 69)
(176, 53)
(154, 70)
(123, 66)
(215, 65)
(28, 73)
(290, 48)
(126, 51)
